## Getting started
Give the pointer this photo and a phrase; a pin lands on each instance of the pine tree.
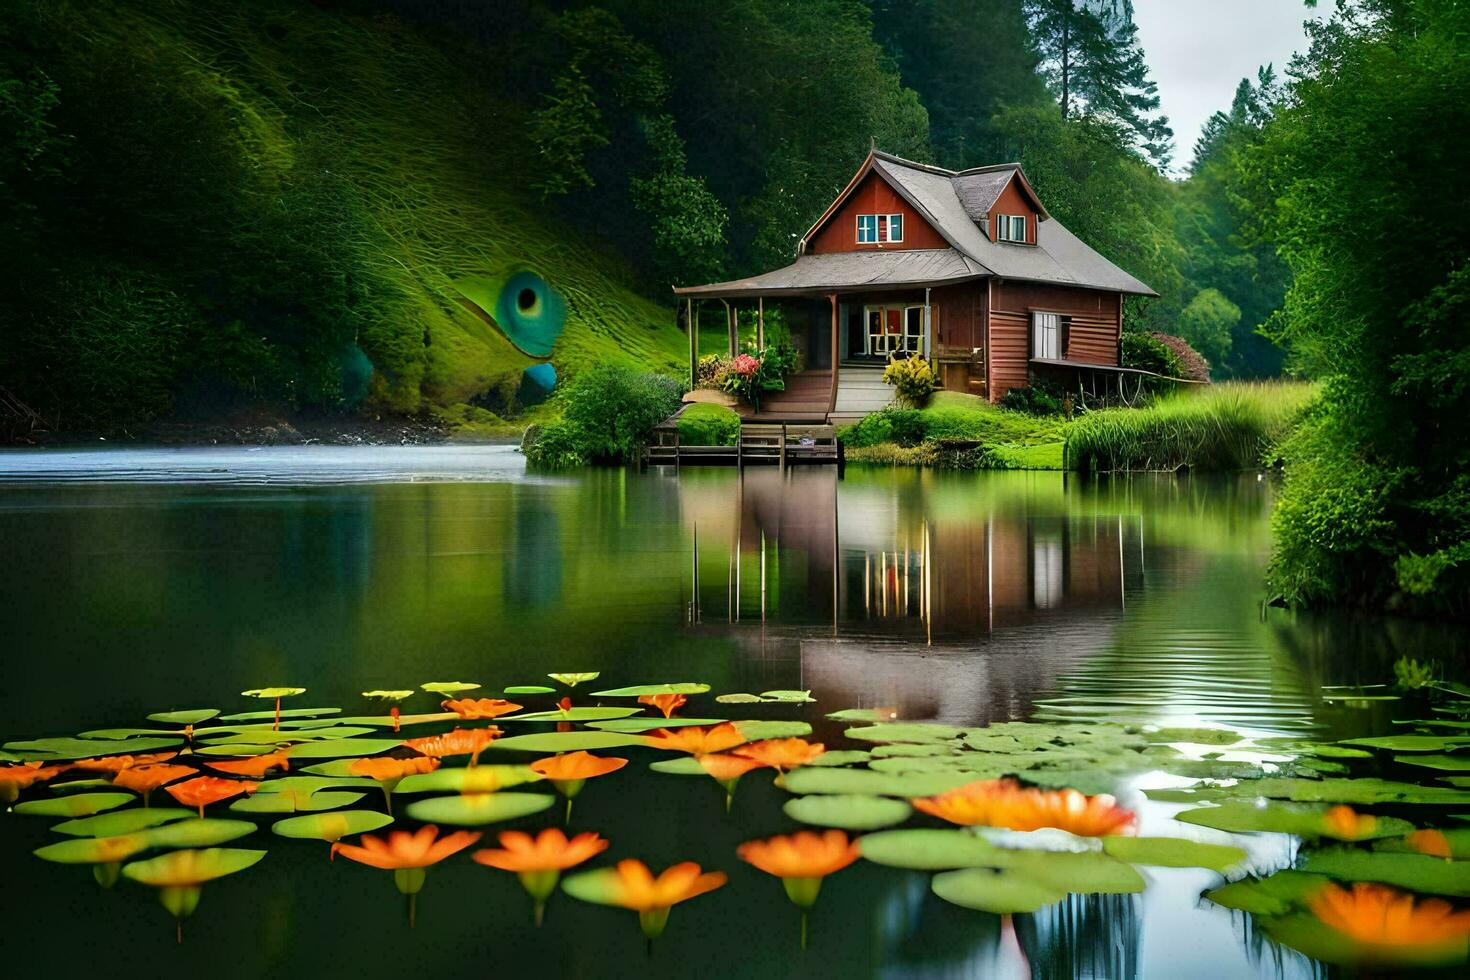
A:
(1091, 56)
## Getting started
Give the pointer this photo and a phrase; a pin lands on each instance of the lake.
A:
(140, 581)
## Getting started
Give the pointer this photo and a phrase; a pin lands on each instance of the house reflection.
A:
(864, 583)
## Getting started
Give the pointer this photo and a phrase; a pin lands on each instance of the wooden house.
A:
(965, 268)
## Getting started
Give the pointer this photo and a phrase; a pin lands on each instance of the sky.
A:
(1199, 50)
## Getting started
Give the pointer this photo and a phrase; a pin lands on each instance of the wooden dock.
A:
(760, 444)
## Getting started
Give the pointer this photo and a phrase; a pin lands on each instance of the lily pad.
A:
(480, 779)
(739, 699)
(572, 714)
(1272, 896)
(402, 721)
(899, 731)
(77, 805)
(1457, 839)
(645, 690)
(198, 832)
(207, 832)
(235, 749)
(1417, 872)
(1172, 852)
(121, 822)
(285, 713)
(1444, 763)
(756, 730)
(683, 765)
(1201, 795)
(314, 783)
(866, 782)
(848, 812)
(863, 714)
(996, 891)
(449, 688)
(572, 680)
(927, 850)
(342, 748)
(388, 695)
(1409, 743)
(272, 693)
(1360, 791)
(790, 697)
(331, 826)
(1239, 816)
(633, 725)
(1195, 736)
(530, 689)
(292, 801)
(913, 750)
(841, 757)
(167, 870)
(550, 742)
(191, 717)
(479, 808)
(67, 749)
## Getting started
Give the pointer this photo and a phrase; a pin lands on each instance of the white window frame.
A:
(889, 229)
(1046, 335)
(1006, 228)
(904, 335)
(867, 241)
(882, 231)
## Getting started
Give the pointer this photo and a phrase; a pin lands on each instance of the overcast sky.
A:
(1199, 50)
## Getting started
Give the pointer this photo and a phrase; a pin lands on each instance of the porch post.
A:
(730, 325)
(760, 322)
(832, 401)
(692, 326)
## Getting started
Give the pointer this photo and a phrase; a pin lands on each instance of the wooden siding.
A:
(873, 196)
(1094, 317)
(1013, 201)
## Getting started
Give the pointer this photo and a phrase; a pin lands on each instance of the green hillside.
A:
(346, 164)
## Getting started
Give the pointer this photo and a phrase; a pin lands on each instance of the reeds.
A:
(1230, 426)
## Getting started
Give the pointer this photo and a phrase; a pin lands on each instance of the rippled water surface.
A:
(135, 582)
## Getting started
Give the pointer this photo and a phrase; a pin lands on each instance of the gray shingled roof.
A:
(824, 272)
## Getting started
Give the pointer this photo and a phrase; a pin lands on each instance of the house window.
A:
(875, 228)
(894, 330)
(1046, 335)
(1010, 228)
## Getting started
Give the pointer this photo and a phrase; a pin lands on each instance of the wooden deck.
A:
(760, 444)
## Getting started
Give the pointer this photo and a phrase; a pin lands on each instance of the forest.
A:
(211, 206)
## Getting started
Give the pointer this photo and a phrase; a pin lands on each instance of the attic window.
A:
(875, 228)
(1010, 228)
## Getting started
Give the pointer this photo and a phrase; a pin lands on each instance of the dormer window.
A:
(1010, 228)
(873, 229)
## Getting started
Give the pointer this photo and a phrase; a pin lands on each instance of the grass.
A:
(1229, 426)
(703, 424)
(956, 431)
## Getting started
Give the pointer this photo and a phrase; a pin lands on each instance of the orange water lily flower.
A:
(550, 850)
(384, 768)
(117, 763)
(636, 887)
(256, 766)
(695, 740)
(782, 753)
(667, 703)
(461, 741)
(1431, 842)
(801, 860)
(15, 778)
(145, 779)
(1345, 823)
(204, 790)
(403, 849)
(473, 709)
(1383, 916)
(1005, 803)
(576, 766)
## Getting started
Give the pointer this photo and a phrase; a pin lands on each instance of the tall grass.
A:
(1229, 426)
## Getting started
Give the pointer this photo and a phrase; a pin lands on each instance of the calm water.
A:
(176, 579)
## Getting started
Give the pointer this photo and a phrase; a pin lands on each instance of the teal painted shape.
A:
(531, 314)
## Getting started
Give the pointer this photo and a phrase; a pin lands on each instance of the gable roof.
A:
(955, 202)
(814, 274)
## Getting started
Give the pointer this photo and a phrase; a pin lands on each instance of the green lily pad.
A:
(530, 689)
(1272, 896)
(927, 850)
(871, 715)
(550, 742)
(235, 749)
(314, 783)
(756, 730)
(1239, 816)
(572, 714)
(841, 757)
(449, 688)
(167, 870)
(1172, 852)
(1409, 743)
(78, 805)
(120, 822)
(1444, 763)
(1211, 768)
(78, 785)
(866, 782)
(331, 826)
(848, 812)
(1458, 839)
(572, 680)
(342, 748)
(197, 832)
(291, 801)
(272, 693)
(913, 750)
(1203, 795)
(1195, 736)
(192, 832)
(644, 690)
(995, 891)
(1417, 872)
(739, 699)
(402, 721)
(337, 768)
(93, 850)
(388, 695)
(1360, 791)
(259, 736)
(269, 715)
(192, 717)
(480, 779)
(900, 731)
(479, 808)
(634, 725)
(67, 749)
(683, 765)
(790, 697)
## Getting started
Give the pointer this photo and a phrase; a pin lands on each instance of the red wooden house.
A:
(965, 268)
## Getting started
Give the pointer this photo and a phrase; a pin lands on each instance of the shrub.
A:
(711, 371)
(758, 370)
(1191, 363)
(1033, 400)
(904, 426)
(708, 425)
(912, 379)
(607, 415)
(1147, 353)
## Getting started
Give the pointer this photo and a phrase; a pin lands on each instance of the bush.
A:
(1191, 363)
(912, 379)
(904, 426)
(1033, 400)
(708, 425)
(608, 413)
(711, 370)
(1147, 353)
(1226, 427)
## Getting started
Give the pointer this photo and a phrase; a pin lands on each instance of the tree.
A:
(1091, 56)
(1207, 322)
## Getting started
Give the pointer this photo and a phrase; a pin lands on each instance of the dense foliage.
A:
(702, 424)
(608, 413)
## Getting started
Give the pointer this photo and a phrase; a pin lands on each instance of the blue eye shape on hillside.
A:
(523, 306)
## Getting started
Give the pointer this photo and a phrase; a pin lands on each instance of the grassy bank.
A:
(1223, 427)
